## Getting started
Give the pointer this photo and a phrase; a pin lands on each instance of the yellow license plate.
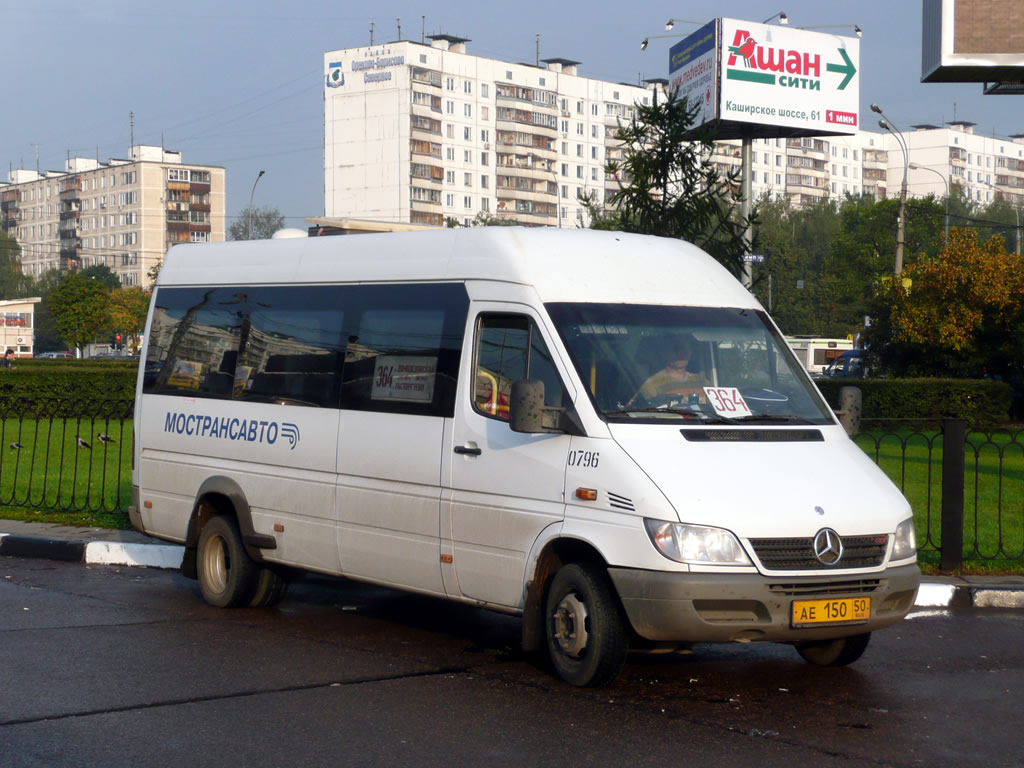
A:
(836, 611)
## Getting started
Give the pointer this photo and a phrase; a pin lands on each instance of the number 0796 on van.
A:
(603, 433)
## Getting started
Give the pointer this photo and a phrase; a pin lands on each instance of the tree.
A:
(960, 313)
(669, 187)
(81, 309)
(128, 308)
(265, 222)
(13, 284)
(102, 274)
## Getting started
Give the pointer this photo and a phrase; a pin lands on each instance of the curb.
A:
(92, 552)
(939, 595)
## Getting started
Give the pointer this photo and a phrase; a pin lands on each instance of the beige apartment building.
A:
(123, 214)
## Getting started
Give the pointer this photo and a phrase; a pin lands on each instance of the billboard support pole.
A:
(746, 207)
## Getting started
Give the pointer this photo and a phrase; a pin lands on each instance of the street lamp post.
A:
(917, 167)
(1016, 213)
(248, 233)
(887, 125)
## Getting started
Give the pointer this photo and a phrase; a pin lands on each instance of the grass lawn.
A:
(46, 475)
(993, 493)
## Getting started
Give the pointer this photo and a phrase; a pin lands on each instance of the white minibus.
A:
(603, 433)
(818, 354)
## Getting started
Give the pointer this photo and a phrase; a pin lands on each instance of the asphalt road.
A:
(108, 666)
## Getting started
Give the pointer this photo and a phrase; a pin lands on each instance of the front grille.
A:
(798, 554)
(811, 588)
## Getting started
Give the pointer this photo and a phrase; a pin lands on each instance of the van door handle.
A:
(467, 450)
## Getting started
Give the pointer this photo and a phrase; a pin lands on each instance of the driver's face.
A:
(678, 364)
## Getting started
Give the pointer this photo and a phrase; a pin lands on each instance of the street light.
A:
(886, 125)
(781, 16)
(856, 28)
(643, 43)
(917, 167)
(672, 22)
(1016, 213)
(248, 235)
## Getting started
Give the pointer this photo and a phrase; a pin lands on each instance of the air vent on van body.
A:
(620, 502)
(752, 435)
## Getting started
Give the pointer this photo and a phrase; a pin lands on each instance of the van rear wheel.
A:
(586, 635)
(270, 589)
(227, 577)
(834, 653)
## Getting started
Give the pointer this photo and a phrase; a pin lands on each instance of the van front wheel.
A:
(227, 577)
(586, 635)
(834, 653)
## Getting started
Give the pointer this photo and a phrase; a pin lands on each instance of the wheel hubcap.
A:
(570, 625)
(215, 565)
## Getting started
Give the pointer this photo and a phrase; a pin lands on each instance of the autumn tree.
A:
(128, 308)
(81, 309)
(960, 313)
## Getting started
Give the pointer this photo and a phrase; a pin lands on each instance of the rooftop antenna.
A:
(423, 29)
(36, 146)
(538, 49)
(131, 132)
(399, 23)
(371, 33)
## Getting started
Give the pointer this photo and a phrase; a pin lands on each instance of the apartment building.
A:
(426, 133)
(124, 214)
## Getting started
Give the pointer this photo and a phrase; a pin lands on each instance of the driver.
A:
(675, 379)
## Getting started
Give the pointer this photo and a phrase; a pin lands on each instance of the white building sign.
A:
(787, 77)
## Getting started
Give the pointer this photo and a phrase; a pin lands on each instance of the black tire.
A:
(270, 589)
(834, 653)
(227, 577)
(586, 634)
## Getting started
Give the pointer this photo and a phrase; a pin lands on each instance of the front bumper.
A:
(714, 608)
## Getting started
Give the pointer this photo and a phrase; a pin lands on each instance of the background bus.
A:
(815, 354)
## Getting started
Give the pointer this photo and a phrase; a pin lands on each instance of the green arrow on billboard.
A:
(844, 69)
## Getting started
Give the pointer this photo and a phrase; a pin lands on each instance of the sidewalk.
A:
(102, 546)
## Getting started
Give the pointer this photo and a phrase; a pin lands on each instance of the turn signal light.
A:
(586, 494)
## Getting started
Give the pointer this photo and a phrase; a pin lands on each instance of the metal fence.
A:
(66, 454)
(966, 486)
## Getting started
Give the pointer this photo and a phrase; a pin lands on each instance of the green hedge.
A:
(103, 379)
(982, 402)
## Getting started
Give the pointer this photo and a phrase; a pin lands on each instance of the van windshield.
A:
(691, 364)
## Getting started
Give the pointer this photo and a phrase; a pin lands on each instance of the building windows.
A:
(484, 181)
(593, 109)
(593, 153)
(485, 135)
(467, 179)
(579, 150)
(484, 159)
(484, 113)
(467, 202)
(449, 107)
(449, 153)
(449, 177)
(467, 156)
(579, 107)
(449, 200)
(579, 129)
(467, 110)
(450, 131)
(467, 86)
(579, 171)
(467, 133)
(565, 169)
(449, 83)
(484, 90)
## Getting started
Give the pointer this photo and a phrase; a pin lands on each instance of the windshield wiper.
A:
(766, 418)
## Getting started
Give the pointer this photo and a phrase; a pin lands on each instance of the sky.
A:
(240, 84)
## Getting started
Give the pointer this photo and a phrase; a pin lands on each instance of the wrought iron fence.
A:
(66, 454)
(966, 486)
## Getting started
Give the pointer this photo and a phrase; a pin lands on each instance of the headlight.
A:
(696, 543)
(904, 544)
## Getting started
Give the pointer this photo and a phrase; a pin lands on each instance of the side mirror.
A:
(526, 406)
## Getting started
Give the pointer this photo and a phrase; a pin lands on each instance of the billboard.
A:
(693, 70)
(789, 78)
(764, 81)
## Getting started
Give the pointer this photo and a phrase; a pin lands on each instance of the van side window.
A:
(509, 348)
(403, 348)
(267, 344)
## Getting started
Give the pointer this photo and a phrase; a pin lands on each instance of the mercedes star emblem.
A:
(828, 547)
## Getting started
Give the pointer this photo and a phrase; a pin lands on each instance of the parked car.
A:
(55, 355)
(849, 365)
